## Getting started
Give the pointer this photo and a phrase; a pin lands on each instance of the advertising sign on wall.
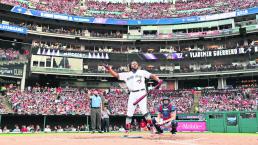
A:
(12, 70)
(192, 126)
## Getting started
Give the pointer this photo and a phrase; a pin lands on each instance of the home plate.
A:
(132, 136)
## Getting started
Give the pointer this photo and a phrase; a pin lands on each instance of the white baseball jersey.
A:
(135, 81)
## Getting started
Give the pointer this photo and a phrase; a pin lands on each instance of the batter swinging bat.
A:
(142, 97)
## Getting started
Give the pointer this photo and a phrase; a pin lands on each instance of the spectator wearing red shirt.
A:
(58, 90)
(143, 125)
(24, 129)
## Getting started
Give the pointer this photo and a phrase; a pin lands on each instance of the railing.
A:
(176, 36)
(170, 36)
(13, 62)
(56, 70)
(66, 71)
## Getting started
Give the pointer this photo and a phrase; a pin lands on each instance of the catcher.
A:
(166, 117)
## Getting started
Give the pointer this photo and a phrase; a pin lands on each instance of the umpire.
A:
(96, 107)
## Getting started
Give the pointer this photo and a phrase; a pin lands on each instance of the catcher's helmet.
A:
(165, 98)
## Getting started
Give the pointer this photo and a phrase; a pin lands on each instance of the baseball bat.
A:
(142, 97)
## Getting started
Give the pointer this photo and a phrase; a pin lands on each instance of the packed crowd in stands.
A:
(9, 54)
(228, 100)
(222, 68)
(44, 100)
(166, 69)
(74, 101)
(69, 30)
(62, 30)
(111, 34)
(70, 100)
(135, 10)
(106, 33)
(211, 68)
(2, 107)
(50, 101)
(131, 49)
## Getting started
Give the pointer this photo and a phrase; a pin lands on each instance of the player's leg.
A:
(130, 111)
(144, 110)
(157, 127)
(107, 124)
(143, 105)
(93, 120)
(174, 125)
(102, 125)
(128, 122)
(98, 120)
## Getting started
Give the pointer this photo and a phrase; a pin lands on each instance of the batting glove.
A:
(160, 82)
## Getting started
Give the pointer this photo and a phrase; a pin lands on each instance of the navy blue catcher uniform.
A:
(165, 114)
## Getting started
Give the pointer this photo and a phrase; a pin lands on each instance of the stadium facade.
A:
(209, 51)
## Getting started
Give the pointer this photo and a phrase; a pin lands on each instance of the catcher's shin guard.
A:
(174, 125)
(159, 130)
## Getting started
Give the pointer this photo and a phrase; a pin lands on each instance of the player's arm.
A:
(155, 77)
(111, 71)
(108, 112)
(172, 117)
(149, 75)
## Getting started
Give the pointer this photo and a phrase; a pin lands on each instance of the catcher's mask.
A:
(164, 100)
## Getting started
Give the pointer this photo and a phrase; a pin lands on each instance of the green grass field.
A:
(73, 133)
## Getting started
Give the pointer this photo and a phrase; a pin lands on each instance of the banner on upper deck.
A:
(11, 28)
(70, 54)
(164, 21)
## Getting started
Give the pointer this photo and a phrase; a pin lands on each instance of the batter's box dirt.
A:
(135, 136)
(95, 137)
(166, 137)
(148, 139)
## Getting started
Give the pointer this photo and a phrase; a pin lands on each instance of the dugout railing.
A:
(233, 122)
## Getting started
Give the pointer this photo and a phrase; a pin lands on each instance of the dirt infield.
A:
(117, 139)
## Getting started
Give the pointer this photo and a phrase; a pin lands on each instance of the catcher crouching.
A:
(166, 117)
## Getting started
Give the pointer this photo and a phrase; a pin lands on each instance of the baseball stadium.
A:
(143, 72)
